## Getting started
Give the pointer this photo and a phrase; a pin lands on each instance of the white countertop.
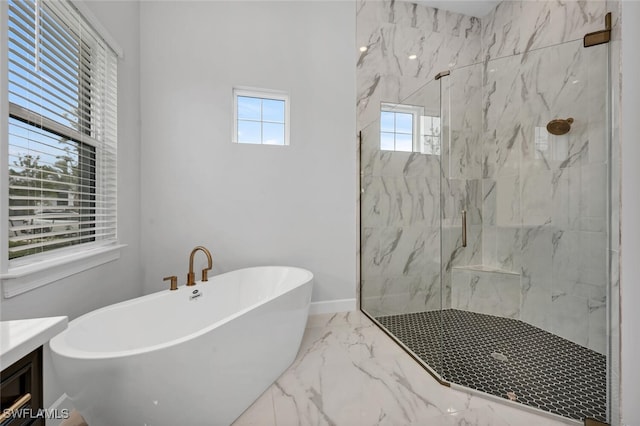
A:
(20, 337)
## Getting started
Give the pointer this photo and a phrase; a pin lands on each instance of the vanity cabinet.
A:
(21, 389)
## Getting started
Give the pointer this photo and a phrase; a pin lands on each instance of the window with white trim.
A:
(405, 128)
(260, 117)
(62, 86)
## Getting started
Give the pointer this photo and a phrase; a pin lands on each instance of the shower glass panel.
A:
(526, 159)
(400, 213)
(485, 231)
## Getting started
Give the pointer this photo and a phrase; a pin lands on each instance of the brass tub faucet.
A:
(174, 282)
(191, 276)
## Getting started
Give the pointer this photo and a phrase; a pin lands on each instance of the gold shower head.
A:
(559, 126)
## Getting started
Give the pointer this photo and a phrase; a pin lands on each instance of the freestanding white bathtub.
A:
(171, 359)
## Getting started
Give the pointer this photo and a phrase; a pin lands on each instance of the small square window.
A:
(405, 128)
(261, 117)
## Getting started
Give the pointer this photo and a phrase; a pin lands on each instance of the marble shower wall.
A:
(394, 30)
(461, 184)
(400, 217)
(401, 198)
(536, 202)
(545, 196)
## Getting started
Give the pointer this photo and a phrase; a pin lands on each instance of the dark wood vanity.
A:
(21, 391)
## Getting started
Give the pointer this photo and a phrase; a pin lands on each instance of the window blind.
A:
(62, 140)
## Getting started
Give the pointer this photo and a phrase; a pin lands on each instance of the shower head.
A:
(559, 126)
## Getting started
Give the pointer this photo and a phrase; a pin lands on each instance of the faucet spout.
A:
(191, 276)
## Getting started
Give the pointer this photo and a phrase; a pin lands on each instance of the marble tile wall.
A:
(545, 196)
(461, 183)
(393, 30)
(516, 27)
(401, 198)
(486, 291)
(400, 241)
(536, 203)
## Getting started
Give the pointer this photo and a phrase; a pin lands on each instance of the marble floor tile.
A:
(261, 412)
(350, 373)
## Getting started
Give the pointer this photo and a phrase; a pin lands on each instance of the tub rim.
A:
(59, 346)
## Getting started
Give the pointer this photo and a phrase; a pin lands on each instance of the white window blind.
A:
(62, 130)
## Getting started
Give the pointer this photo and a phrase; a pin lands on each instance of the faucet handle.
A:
(205, 276)
(174, 282)
(191, 279)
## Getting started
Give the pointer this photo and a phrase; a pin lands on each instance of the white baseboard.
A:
(332, 306)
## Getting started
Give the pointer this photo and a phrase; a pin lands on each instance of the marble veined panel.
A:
(488, 202)
(393, 201)
(535, 199)
(565, 264)
(465, 155)
(565, 198)
(411, 15)
(401, 251)
(388, 296)
(569, 316)
(465, 97)
(521, 26)
(492, 293)
(409, 164)
(501, 30)
(546, 23)
(369, 252)
(536, 280)
(399, 201)
(394, 31)
(593, 191)
(508, 248)
(462, 194)
(508, 201)
(597, 338)
(501, 92)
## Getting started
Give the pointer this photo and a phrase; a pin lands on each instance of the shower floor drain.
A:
(499, 356)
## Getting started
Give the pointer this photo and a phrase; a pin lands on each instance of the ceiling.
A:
(478, 8)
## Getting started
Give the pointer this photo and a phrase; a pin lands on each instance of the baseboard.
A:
(332, 306)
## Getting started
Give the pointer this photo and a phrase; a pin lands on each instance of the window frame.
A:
(263, 94)
(416, 112)
(418, 126)
(424, 135)
(26, 273)
(47, 125)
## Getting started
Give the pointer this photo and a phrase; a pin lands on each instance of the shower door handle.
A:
(464, 228)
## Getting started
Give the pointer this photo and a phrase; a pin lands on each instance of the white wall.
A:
(121, 279)
(630, 248)
(249, 204)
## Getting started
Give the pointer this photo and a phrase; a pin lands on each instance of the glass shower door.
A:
(526, 160)
(400, 219)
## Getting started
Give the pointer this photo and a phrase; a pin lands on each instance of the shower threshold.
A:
(507, 358)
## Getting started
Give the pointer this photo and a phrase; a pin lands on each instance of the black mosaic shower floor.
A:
(541, 369)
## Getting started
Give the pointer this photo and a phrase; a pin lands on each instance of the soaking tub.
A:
(170, 358)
